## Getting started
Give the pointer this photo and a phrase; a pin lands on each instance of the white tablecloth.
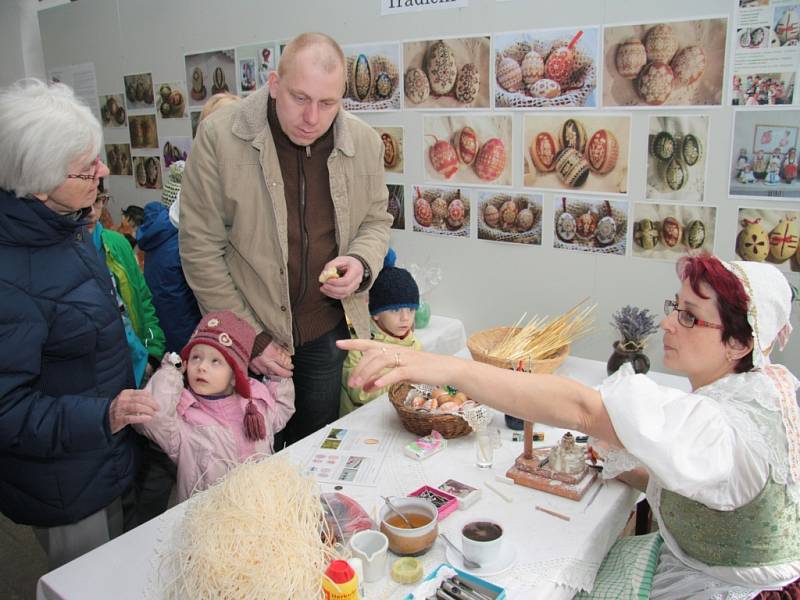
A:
(555, 558)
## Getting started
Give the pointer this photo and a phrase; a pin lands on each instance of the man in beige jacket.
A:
(280, 191)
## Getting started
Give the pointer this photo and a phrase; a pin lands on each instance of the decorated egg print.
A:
(586, 225)
(532, 67)
(422, 212)
(443, 158)
(508, 213)
(439, 208)
(558, 65)
(525, 219)
(362, 78)
(663, 146)
(783, 239)
(655, 83)
(787, 29)
(467, 83)
(675, 174)
(543, 151)
(671, 231)
(509, 75)
(606, 231)
(573, 135)
(466, 145)
(491, 159)
(565, 227)
(646, 234)
(517, 51)
(753, 241)
(571, 167)
(393, 207)
(691, 149)
(441, 67)
(660, 43)
(491, 216)
(630, 58)
(602, 151)
(383, 86)
(389, 150)
(695, 234)
(455, 213)
(689, 64)
(544, 88)
(417, 87)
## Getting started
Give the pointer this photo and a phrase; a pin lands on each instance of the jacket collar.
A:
(250, 123)
(28, 222)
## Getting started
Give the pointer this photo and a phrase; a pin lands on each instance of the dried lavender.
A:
(635, 325)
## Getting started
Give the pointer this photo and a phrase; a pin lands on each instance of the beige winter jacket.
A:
(233, 231)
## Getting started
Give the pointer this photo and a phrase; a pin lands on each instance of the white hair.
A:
(44, 128)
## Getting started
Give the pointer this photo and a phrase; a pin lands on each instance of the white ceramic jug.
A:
(371, 547)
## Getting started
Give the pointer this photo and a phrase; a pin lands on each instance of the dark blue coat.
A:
(63, 358)
(175, 304)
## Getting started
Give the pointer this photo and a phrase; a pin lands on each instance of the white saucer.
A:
(501, 564)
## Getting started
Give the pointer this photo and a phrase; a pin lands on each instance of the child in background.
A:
(221, 417)
(393, 304)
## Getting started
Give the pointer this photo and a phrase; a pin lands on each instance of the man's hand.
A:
(351, 273)
(274, 360)
(131, 406)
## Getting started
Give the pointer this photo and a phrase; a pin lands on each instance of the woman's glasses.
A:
(686, 318)
(91, 175)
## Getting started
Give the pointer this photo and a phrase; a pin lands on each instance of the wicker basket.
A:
(481, 343)
(422, 422)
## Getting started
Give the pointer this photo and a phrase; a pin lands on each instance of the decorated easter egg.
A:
(573, 135)
(752, 242)
(675, 174)
(441, 68)
(602, 151)
(175, 98)
(566, 226)
(467, 83)
(455, 213)
(105, 115)
(130, 89)
(543, 151)
(417, 87)
(655, 83)
(646, 234)
(532, 67)
(695, 234)
(148, 94)
(788, 27)
(422, 212)
(443, 158)
(783, 239)
(139, 91)
(508, 213)
(517, 51)
(361, 84)
(689, 64)
(389, 150)
(491, 216)
(439, 208)
(466, 144)
(586, 225)
(544, 88)
(559, 63)
(491, 159)
(571, 167)
(662, 146)
(164, 90)
(119, 116)
(671, 231)
(383, 86)
(691, 149)
(630, 58)
(393, 207)
(525, 219)
(660, 43)
(606, 231)
(509, 75)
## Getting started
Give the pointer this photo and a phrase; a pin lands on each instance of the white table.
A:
(550, 551)
(443, 335)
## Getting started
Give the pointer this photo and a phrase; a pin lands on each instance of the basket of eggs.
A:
(422, 411)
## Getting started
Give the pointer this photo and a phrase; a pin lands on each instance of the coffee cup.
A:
(481, 540)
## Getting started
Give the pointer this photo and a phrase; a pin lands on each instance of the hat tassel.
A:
(254, 426)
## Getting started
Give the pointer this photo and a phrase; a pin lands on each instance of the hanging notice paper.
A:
(347, 456)
(81, 78)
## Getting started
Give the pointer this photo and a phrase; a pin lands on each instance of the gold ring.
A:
(383, 349)
(396, 359)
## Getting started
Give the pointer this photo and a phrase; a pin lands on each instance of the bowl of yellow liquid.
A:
(415, 540)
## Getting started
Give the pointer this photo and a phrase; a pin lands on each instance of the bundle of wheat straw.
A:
(541, 339)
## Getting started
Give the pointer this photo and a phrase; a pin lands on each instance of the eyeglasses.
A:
(686, 318)
(91, 176)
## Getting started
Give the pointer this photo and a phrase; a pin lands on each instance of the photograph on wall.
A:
(547, 68)
(255, 61)
(576, 152)
(447, 74)
(764, 154)
(510, 217)
(668, 231)
(676, 157)
(396, 206)
(175, 148)
(373, 77)
(194, 119)
(209, 73)
(762, 89)
(118, 159)
(441, 210)
(147, 172)
(112, 111)
(392, 138)
(596, 225)
(143, 130)
(769, 235)
(468, 149)
(677, 63)
(139, 91)
(171, 100)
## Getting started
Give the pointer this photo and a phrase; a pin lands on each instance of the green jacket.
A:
(351, 398)
(135, 294)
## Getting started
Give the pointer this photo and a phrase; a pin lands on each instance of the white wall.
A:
(485, 284)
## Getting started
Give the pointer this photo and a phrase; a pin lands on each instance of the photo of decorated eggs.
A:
(525, 219)
(606, 231)
(753, 241)
(660, 43)
(571, 167)
(630, 58)
(509, 75)
(655, 83)
(543, 151)
(383, 86)
(695, 234)
(573, 135)
(663, 146)
(532, 67)
(417, 87)
(783, 239)
(394, 207)
(565, 227)
(689, 64)
(602, 151)
(691, 149)
(467, 83)
(443, 158)
(491, 216)
(441, 68)
(544, 88)
(422, 212)
(646, 234)
(518, 50)
(491, 159)
(586, 225)
(361, 85)
(675, 174)
(390, 153)
(559, 64)
(439, 208)
(466, 144)
(508, 213)
(671, 231)
(455, 213)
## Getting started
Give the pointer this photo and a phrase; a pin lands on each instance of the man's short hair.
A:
(329, 55)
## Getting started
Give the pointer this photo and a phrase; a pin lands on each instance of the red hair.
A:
(732, 299)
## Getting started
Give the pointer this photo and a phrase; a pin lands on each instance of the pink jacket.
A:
(206, 438)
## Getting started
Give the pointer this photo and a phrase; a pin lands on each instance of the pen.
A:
(554, 513)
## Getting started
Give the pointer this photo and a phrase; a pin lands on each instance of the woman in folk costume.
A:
(720, 464)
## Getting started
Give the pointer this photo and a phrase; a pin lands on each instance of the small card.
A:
(466, 494)
(426, 446)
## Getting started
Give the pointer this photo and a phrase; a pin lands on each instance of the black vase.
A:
(515, 423)
(639, 360)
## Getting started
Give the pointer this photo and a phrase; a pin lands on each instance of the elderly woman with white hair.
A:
(66, 453)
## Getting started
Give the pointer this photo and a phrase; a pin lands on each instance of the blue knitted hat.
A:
(394, 288)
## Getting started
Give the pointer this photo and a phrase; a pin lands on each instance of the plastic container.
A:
(340, 581)
(445, 503)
